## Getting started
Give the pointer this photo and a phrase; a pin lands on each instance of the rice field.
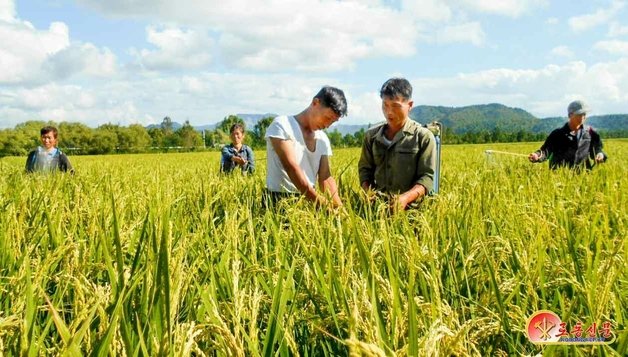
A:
(160, 255)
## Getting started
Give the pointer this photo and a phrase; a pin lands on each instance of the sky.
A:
(133, 61)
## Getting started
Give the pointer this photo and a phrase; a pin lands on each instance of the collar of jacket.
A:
(406, 129)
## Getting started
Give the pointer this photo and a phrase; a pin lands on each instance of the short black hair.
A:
(47, 129)
(236, 126)
(334, 99)
(396, 87)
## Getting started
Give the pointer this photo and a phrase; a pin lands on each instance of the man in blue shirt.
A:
(237, 154)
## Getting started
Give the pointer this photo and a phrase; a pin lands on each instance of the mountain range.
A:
(473, 118)
(491, 116)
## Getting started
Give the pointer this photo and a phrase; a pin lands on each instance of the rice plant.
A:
(161, 255)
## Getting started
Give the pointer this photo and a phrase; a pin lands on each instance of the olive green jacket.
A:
(409, 160)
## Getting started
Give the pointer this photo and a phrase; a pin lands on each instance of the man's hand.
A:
(400, 203)
(534, 157)
(238, 160)
(599, 158)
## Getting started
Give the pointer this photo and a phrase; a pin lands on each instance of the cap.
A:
(577, 107)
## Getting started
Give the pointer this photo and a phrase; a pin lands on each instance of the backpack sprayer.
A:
(437, 129)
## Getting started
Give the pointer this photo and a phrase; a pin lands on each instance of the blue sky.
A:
(126, 62)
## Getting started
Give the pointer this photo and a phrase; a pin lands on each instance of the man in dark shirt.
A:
(572, 145)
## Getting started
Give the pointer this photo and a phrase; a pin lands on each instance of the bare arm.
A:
(327, 182)
(416, 192)
(286, 154)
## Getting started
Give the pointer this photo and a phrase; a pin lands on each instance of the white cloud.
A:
(468, 32)
(208, 97)
(552, 21)
(599, 17)
(616, 29)
(364, 108)
(562, 51)
(177, 48)
(315, 36)
(329, 36)
(603, 85)
(427, 10)
(511, 8)
(332, 36)
(29, 49)
(615, 47)
(7, 10)
(203, 98)
(84, 59)
(67, 103)
(39, 56)
(273, 44)
(53, 96)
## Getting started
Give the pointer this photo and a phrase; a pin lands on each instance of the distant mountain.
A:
(347, 129)
(491, 116)
(175, 126)
(474, 118)
(609, 122)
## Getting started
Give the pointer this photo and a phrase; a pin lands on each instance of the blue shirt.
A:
(245, 152)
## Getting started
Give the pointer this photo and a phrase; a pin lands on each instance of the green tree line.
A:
(79, 139)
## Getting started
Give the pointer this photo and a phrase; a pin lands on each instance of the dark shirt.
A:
(245, 152)
(562, 148)
(40, 160)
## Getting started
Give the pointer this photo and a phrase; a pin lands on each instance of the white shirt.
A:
(287, 128)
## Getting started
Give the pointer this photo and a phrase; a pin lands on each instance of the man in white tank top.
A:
(298, 150)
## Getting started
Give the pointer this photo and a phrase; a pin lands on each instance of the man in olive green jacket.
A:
(399, 156)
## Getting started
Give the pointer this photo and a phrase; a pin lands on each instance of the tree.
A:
(133, 139)
(14, 143)
(167, 125)
(31, 130)
(259, 132)
(171, 140)
(188, 136)
(215, 138)
(359, 136)
(227, 122)
(75, 137)
(349, 141)
(104, 140)
(141, 138)
(335, 138)
(156, 137)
